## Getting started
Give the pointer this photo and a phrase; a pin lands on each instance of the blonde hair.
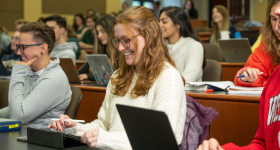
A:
(155, 53)
(270, 40)
(225, 24)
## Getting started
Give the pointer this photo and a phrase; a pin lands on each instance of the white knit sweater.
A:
(167, 94)
(188, 56)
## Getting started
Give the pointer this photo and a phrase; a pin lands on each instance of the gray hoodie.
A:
(65, 50)
(34, 99)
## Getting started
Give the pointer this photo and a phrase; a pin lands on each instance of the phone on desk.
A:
(22, 138)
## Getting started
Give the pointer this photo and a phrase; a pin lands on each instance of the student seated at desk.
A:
(266, 57)
(104, 27)
(79, 25)
(88, 38)
(146, 78)
(62, 49)
(183, 45)
(220, 22)
(10, 60)
(268, 133)
(39, 89)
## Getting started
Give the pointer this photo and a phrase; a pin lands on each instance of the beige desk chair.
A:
(73, 107)
(213, 51)
(213, 71)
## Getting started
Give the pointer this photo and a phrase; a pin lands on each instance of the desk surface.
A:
(216, 95)
(8, 141)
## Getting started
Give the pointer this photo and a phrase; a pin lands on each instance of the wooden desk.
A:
(204, 36)
(93, 96)
(79, 63)
(196, 23)
(237, 120)
(230, 70)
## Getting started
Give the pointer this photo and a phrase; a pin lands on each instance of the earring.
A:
(42, 53)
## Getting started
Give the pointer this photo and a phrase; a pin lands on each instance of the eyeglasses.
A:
(124, 40)
(22, 47)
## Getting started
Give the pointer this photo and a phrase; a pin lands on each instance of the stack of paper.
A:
(203, 85)
(249, 90)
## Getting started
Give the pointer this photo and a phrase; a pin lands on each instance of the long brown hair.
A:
(271, 42)
(225, 25)
(154, 55)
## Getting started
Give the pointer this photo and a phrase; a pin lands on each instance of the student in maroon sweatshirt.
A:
(268, 133)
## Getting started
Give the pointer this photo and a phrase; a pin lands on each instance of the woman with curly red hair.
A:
(146, 78)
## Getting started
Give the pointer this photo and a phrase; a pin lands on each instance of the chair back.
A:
(73, 107)
(213, 71)
(213, 51)
(4, 92)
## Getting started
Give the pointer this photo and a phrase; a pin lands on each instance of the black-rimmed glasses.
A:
(21, 47)
(124, 40)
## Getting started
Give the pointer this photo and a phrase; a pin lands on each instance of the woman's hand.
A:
(250, 75)
(90, 137)
(61, 124)
(83, 77)
(212, 144)
(29, 63)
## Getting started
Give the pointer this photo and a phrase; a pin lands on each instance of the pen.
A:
(57, 119)
(248, 75)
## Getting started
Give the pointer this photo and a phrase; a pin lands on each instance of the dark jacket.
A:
(85, 70)
(9, 61)
(198, 119)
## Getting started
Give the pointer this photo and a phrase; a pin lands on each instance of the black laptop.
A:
(147, 129)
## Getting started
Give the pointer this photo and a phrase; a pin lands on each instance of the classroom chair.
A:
(73, 107)
(4, 92)
(213, 71)
(213, 51)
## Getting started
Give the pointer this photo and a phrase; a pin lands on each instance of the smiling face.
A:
(217, 16)
(103, 37)
(130, 52)
(90, 23)
(275, 19)
(29, 52)
(168, 28)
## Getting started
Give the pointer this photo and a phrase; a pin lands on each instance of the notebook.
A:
(147, 129)
(70, 70)
(235, 50)
(101, 68)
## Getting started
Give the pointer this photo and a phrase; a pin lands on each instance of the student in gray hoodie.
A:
(39, 89)
(62, 49)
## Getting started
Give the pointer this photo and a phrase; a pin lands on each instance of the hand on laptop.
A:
(250, 75)
(211, 144)
(90, 137)
(83, 77)
(61, 124)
